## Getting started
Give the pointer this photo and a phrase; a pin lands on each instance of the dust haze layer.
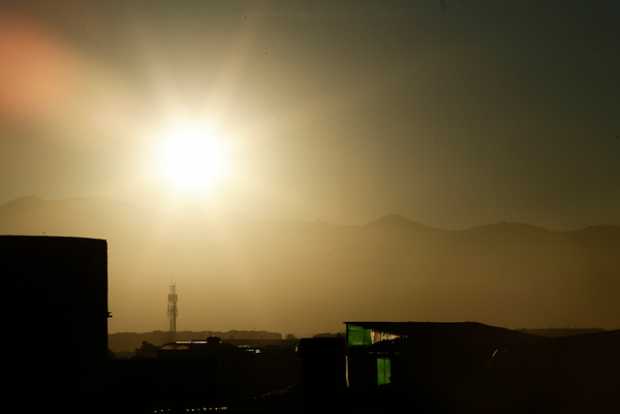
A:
(307, 277)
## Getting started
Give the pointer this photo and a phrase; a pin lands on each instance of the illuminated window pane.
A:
(356, 335)
(384, 371)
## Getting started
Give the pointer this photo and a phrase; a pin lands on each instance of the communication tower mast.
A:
(173, 311)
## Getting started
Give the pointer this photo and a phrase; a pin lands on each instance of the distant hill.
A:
(308, 277)
(396, 221)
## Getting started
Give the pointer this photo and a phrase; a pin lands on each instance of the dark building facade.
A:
(425, 356)
(56, 315)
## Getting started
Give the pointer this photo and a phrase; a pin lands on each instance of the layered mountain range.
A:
(307, 277)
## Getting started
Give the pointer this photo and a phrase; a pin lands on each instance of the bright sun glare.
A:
(192, 157)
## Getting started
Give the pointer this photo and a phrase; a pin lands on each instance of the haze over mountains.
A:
(308, 277)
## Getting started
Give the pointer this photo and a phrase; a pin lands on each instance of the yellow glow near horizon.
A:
(192, 158)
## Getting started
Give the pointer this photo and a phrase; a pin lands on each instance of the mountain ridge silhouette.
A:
(306, 277)
(388, 220)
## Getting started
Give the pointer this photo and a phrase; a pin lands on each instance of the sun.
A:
(192, 157)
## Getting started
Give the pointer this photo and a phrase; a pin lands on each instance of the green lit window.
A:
(356, 335)
(384, 371)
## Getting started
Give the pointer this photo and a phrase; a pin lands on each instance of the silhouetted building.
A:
(57, 289)
(422, 357)
(212, 347)
(147, 350)
(460, 366)
(323, 363)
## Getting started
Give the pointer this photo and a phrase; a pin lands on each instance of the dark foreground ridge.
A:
(59, 286)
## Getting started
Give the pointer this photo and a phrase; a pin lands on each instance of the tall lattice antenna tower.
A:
(173, 311)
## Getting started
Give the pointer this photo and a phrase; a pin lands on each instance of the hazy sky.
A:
(485, 111)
